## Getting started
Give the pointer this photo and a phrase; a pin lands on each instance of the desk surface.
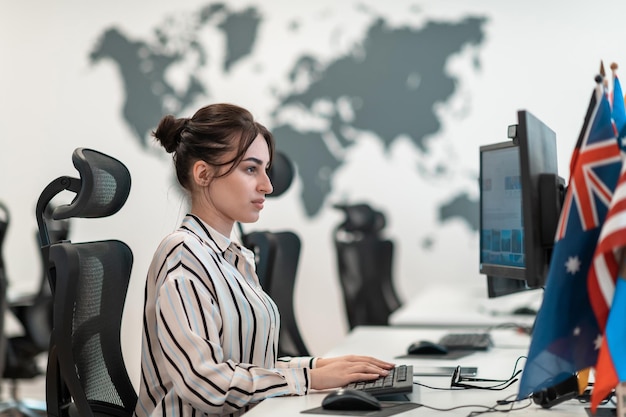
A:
(390, 342)
(466, 307)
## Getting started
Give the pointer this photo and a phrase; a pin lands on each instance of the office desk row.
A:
(439, 306)
(390, 343)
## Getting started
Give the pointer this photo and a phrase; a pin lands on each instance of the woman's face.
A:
(240, 195)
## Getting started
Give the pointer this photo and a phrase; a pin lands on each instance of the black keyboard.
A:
(466, 341)
(398, 381)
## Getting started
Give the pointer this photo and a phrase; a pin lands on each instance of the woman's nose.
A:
(266, 185)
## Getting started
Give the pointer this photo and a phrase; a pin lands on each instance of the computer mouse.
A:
(425, 347)
(350, 400)
(527, 311)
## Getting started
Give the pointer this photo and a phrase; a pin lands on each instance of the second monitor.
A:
(520, 198)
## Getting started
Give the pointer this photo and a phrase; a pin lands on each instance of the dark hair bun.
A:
(168, 132)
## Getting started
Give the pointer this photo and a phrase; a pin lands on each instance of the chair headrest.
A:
(281, 174)
(104, 186)
(361, 218)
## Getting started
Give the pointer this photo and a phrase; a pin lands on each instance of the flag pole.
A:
(620, 393)
(605, 82)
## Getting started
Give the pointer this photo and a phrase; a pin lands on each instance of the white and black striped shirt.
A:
(210, 331)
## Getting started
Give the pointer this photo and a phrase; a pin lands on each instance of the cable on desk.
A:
(494, 409)
(457, 379)
(487, 408)
(456, 385)
(585, 397)
(522, 328)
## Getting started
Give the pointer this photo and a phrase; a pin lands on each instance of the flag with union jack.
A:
(566, 336)
(605, 300)
(604, 268)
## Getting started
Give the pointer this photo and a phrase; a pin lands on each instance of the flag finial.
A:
(602, 72)
(614, 66)
(598, 78)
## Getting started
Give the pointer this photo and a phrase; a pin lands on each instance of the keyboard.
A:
(398, 381)
(466, 341)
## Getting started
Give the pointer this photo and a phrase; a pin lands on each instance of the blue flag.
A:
(618, 108)
(566, 336)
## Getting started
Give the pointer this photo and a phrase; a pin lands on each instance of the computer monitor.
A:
(520, 197)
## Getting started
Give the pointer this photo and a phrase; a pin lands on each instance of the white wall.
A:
(538, 55)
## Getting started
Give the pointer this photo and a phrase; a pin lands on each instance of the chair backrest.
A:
(86, 374)
(264, 248)
(365, 265)
(92, 280)
(277, 255)
(284, 269)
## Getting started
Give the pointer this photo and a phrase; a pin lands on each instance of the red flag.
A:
(604, 268)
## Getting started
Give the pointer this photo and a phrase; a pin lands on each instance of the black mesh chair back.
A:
(365, 265)
(92, 280)
(281, 286)
(86, 374)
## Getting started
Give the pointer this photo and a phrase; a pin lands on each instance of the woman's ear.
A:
(201, 173)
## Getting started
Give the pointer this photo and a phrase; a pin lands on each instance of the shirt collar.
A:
(214, 238)
(205, 232)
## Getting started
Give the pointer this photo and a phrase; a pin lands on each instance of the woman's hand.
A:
(340, 371)
(321, 362)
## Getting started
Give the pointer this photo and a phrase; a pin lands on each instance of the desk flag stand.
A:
(620, 393)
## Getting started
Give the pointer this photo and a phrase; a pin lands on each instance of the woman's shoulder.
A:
(183, 236)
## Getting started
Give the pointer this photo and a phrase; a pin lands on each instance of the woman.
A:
(210, 332)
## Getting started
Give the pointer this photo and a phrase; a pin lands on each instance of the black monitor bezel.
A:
(538, 158)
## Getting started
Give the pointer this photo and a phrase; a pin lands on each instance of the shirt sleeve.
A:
(297, 362)
(189, 322)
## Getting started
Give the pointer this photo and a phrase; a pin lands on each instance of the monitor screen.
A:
(501, 219)
(520, 201)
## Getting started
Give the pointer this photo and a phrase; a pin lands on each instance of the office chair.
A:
(20, 353)
(277, 255)
(365, 266)
(34, 313)
(86, 374)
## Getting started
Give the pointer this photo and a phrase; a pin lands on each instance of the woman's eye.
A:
(251, 169)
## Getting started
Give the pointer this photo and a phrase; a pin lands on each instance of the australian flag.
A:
(566, 336)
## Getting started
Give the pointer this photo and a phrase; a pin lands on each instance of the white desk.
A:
(389, 342)
(464, 307)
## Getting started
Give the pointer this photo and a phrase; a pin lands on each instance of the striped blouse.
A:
(210, 332)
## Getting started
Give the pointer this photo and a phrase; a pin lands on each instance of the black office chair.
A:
(277, 255)
(21, 353)
(365, 264)
(86, 374)
(34, 314)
